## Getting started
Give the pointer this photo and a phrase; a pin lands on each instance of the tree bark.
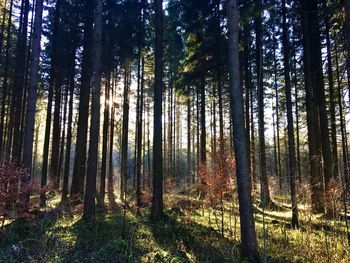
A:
(77, 187)
(157, 199)
(53, 70)
(290, 122)
(265, 192)
(90, 190)
(249, 247)
(32, 93)
(313, 75)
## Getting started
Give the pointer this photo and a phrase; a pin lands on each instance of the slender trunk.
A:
(342, 121)
(77, 187)
(249, 247)
(56, 135)
(331, 103)
(290, 124)
(203, 152)
(49, 104)
(90, 190)
(139, 138)
(107, 103)
(18, 85)
(5, 81)
(189, 157)
(69, 130)
(125, 134)
(313, 75)
(277, 122)
(157, 200)
(111, 144)
(265, 192)
(295, 83)
(32, 93)
(2, 29)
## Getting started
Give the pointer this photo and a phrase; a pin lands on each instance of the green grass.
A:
(185, 235)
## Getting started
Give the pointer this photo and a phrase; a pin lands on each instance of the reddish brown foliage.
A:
(217, 180)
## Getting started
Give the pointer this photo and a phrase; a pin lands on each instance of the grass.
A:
(187, 234)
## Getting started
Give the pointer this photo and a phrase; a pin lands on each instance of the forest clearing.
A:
(174, 131)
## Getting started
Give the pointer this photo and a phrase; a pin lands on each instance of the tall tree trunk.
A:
(5, 80)
(111, 144)
(53, 71)
(157, 200)
(125, 135)
(84, 97)
(18, 84)
(56, 134)
(249, 247)
(313, 81)
(139, 137)
(248, 85)
(203, 140)
(107, 103)
(90, 190)
(296, 91)
(189, 157)
(290, 124)
(265, 192)
(346, 33)
(342, 121)
(331, 103)
(2, 29)
(32, 94)
(69, 129)
(278, 174)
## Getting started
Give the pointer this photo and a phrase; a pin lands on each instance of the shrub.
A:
(13, 191)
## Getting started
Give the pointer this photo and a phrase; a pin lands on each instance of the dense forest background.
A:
(174, 131)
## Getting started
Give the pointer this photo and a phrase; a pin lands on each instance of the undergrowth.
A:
(191, 232)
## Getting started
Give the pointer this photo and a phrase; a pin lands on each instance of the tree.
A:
(157, 199)
(265, 192)
(90, 190)
(53, 71)
(290, 125)
(32, 91)
(313, 82)
(84, 97)
(249, 245)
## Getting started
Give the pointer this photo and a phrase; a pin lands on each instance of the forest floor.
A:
(189, 233)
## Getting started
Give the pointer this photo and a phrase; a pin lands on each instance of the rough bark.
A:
(313, 74)
(249, 247)
(157, 199)
(77, 187)
(90, 190)
(32, 93)
(290, 122)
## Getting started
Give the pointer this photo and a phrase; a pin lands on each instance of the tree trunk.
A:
(69, 129)
(111, 143)
(313, 77)
(331, 103)
(5, 81)
(18, 84)
(49, 103)
(139, 137)
(265, 192)
(342, 121)
(125, 134)
(90, 190)
(32, 93)
(290, 124)
(157, 200)
(107, 103)
(249, 247)
(86, 74)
